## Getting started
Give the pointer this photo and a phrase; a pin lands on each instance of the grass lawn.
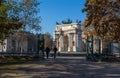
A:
(16, 59)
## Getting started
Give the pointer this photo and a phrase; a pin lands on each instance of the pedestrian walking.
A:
(47, 52)
(55, 50)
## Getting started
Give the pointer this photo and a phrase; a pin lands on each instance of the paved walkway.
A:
(62, 67)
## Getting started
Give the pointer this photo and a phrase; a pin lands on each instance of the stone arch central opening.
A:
(65, 43)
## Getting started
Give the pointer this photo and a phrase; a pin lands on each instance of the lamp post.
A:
(42, 46)
(40, 52)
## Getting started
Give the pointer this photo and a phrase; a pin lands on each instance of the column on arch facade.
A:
(69, 42)
(77, 42)
(60, 43)
(74, 42)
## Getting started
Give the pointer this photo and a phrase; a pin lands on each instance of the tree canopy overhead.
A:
(18, 15)
(104, 16)
(7, 25)
(27, 11)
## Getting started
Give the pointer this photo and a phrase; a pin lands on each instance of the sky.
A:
(52, 11)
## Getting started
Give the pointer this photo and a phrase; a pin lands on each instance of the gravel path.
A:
(61, 67)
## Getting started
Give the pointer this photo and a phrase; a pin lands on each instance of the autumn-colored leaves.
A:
(104, 16)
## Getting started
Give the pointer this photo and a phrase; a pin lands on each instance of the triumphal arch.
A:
(68, 37)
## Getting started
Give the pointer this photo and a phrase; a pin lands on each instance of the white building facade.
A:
(68, 37)
(27, 42)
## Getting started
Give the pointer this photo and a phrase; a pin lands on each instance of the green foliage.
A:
(7, 25)
(18, 15)
(27, 12)
(104, 15)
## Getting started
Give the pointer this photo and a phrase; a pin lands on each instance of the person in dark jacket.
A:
(55, 50)
(47, 52)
